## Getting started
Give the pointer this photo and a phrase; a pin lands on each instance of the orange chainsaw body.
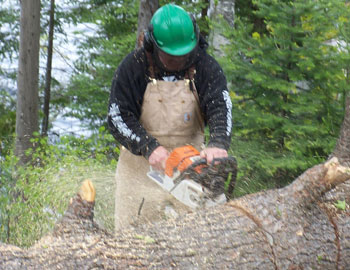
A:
(181, 158)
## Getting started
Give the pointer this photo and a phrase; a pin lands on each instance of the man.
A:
(161, 97)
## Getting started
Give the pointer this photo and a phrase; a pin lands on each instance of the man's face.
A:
(171, 62)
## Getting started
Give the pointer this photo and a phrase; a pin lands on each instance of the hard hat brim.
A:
(180, 51)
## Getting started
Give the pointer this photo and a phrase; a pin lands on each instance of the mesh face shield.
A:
(172, 63)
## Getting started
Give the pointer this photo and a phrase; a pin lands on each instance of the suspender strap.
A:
(150, 65)
(190, 75)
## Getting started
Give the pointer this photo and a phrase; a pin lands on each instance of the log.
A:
(296, 227)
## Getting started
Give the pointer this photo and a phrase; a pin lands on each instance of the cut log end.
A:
(87, 191)
(82, 205)
(336, 173)
(316, 181)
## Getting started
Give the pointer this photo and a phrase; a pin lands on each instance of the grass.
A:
(44, 196)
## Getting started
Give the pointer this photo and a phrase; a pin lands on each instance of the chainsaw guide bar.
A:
(214, 176)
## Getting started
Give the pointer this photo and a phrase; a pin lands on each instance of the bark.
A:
(146, 10)
(218, 9)
(27, 78)
(296, 227)
(47, 95)
(342, 149)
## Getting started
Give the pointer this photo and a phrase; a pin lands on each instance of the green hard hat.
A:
(173, 30)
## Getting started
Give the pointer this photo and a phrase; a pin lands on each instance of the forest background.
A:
(287, 64)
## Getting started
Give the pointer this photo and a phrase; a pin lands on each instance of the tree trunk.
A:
(45, 123)
(226, 9)
(146, 10)
(342, 149)
(27, 78)
(296, 227)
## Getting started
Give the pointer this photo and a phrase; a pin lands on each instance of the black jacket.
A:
(129, 85)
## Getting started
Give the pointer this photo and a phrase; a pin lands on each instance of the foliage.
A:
(343, 42)
(287, 87)
(341, 205)
(115, 24)
(9, 15)
(247, 9)
(7, 121)
(9, 31)
(32, 199)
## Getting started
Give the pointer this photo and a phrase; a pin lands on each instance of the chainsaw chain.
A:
(213, 176)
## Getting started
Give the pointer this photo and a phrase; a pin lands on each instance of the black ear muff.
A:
(148, 39)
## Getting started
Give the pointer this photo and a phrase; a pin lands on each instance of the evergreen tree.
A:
(287, 83)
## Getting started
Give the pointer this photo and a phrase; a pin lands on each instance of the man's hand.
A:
(158, 158)
(210, 153)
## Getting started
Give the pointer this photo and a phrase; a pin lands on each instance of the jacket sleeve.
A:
(124, 109)
(215, 102)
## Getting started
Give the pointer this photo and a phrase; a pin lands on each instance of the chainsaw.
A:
(192, 181)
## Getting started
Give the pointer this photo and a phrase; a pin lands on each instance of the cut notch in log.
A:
(316, 181)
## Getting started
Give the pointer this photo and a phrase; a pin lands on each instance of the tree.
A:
(146, 10)
(47, 93)
(225, 10)
(287, 83)
(27, 79)
(343, 142)
(302, 226)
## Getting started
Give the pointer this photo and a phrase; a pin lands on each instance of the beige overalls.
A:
(170, 113)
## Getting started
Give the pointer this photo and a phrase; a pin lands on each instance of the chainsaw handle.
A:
(199, 162)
